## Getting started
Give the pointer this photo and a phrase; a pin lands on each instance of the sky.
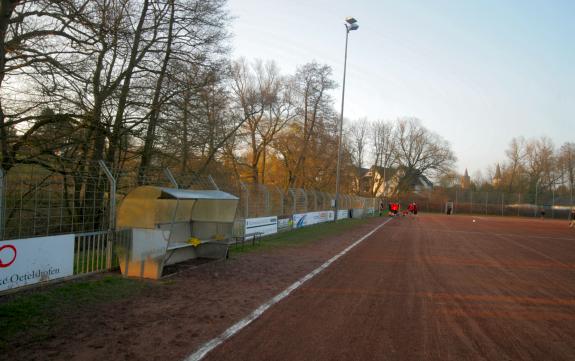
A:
(478, 73)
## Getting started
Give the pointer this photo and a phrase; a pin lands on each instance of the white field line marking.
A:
(210, 345)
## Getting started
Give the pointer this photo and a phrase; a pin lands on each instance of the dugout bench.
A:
(164, 226)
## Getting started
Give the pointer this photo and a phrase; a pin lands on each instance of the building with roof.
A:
(384, 182)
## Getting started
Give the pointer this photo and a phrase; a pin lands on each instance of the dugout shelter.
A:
(164, 226)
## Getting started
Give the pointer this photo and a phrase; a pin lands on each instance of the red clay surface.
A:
(431, 288)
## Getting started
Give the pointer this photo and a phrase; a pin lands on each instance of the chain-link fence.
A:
(39, 202)
(260, 200)
(548, 203)
(82, 200)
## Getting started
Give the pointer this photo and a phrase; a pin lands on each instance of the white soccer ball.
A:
(474, 221)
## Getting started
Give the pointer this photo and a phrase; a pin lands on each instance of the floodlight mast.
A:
(350, 24)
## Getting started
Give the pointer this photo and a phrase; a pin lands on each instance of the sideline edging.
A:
(238, 326)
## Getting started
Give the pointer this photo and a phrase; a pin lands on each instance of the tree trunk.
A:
(116, 135)
(185, 143)
(6, 10)
(155, 113)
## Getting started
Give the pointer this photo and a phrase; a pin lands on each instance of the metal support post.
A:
(293, 205)
(246, 199)
(213, 182)
(2, 201)
(339, 144)
(111, 196)
(553, 203)
(535, 209)
(112, 212)
(268, 203)
(281, 201)
(571, 199)
(455, 205)
(171, 178)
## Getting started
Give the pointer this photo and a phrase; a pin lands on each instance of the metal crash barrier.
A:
(168, 225)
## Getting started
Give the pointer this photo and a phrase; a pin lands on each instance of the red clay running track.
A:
(431, 288)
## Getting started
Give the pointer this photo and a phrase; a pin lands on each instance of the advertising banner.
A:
(266, 225)
(33, 260)
(342, 214)
(358, 213)
(284, 224)
(307, 219)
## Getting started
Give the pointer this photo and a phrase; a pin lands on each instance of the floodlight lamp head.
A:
(350, 20)
(351, 23)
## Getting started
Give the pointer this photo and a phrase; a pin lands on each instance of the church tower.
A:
(496, 181)
(465, 180)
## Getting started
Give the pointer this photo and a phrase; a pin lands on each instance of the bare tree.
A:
(358, 136)
(312, 81)
(516, 156)
(540, 163)
(384, 154)
(156, 100)
(32, 33)
(201, 120)
(420, 152)
(265, 98)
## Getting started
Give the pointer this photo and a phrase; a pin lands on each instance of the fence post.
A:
(112, 195)
(471, 201)
(213, 182)
(293, 207)
(535, 209)
(571, 198)
(486, 199)
(171, 178)
(455, 205)
(2, 192)
(553, 203)
(112, 211)
(268, 203)
(281, 200)
(246, 198)
(502, 203)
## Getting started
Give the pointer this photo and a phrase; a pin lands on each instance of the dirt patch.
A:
(175, 316)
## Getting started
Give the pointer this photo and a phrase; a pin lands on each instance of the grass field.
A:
(298, 236)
